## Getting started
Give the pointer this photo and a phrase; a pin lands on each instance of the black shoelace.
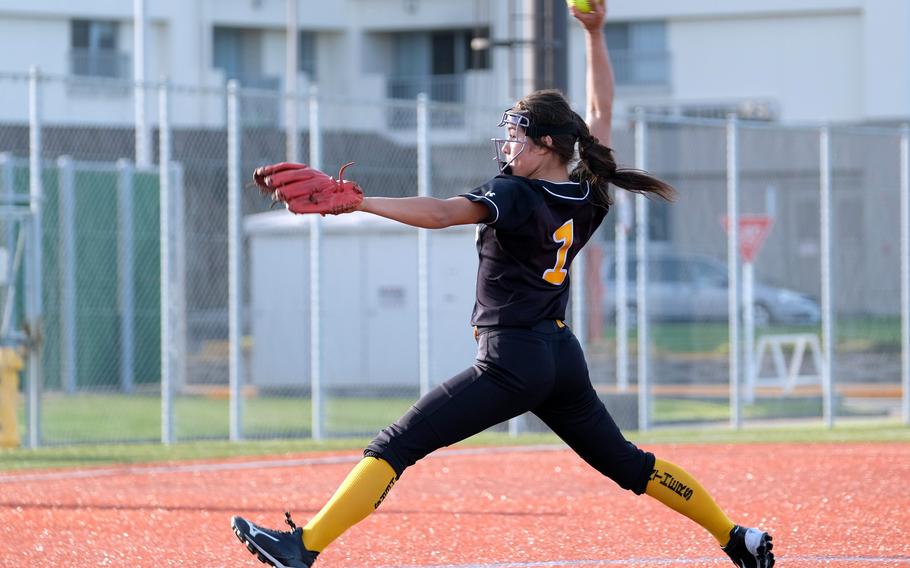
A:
(289, 520)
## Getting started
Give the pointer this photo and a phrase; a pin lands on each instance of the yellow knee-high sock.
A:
(675, 488)
(359, 495)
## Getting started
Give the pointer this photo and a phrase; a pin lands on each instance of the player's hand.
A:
(591, 21)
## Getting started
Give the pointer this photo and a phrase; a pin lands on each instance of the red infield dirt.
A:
(826, 505)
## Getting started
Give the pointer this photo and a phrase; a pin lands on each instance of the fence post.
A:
(641, 253)
(33, 303)
(315, 277)
(126, 273)
(578, 292)
(827, 307)
(423, 272)
(178, 216)
(68, 293)
(581, 313)
(235, 250)
(905, 271)
(15, 238)
(748, 335)
(164, 173)
(621, 259)
(733, 291)
(7, 180)
(291, 127)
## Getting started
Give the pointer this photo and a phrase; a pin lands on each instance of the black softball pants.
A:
(541, 370)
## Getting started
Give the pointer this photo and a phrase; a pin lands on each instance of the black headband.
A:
(537, 131)
(540, 131)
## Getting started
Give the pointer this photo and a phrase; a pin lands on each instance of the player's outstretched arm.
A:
(426, 212)
(303, 189)
(599, 75)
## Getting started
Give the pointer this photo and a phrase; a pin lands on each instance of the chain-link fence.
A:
(866, 270)
(255, 323)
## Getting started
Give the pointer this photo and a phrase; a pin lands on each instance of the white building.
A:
(840, 60)
(814, 60)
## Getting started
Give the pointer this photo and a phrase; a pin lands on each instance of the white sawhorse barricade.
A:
(785, 376)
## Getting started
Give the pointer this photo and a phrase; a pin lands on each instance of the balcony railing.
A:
(439, 89)
(641, 68)
(256, 81)
(103, 63)
(261, 104)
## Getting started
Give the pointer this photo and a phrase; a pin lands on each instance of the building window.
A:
(639, 53)
(306, 53)
(93, 50)
(238, 53)
(477, 59)
(435, 63)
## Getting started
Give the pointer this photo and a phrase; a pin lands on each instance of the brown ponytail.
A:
(597, 166)
(550, 112)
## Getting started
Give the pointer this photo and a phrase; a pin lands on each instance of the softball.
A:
(581, 5)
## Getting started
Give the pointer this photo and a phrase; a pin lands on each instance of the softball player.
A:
(533, 220)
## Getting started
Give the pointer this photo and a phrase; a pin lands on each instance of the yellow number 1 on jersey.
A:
(564, 235)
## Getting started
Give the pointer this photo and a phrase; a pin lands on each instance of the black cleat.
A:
(750, 548)
(281, 549)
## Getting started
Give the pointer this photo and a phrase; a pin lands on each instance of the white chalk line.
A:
(247, 465)
(893, 560)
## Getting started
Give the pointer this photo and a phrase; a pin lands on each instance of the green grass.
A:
(92, 418)
(91, 424)
(100, 455)
(674, 410)
(880, 334)
(877, 430)
(112, 417)
(123, 454)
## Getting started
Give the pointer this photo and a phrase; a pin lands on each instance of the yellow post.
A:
(10, 365)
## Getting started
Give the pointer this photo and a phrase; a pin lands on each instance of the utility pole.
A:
(292, 129)
(143, 140)
(551, 59)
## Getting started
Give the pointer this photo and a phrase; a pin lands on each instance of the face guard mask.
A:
(516, 145)
(520, 123)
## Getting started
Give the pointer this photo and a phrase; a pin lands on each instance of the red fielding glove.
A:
(306, 190)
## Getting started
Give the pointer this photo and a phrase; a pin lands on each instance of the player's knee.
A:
(407, 440)
(634, 483)
(388, 445)
(633, 473)
(369, 452)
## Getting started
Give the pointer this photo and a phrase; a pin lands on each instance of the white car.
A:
(691, 287)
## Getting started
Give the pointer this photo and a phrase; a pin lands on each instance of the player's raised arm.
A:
(599, 75)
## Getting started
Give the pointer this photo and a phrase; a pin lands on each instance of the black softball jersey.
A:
(526, 246)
